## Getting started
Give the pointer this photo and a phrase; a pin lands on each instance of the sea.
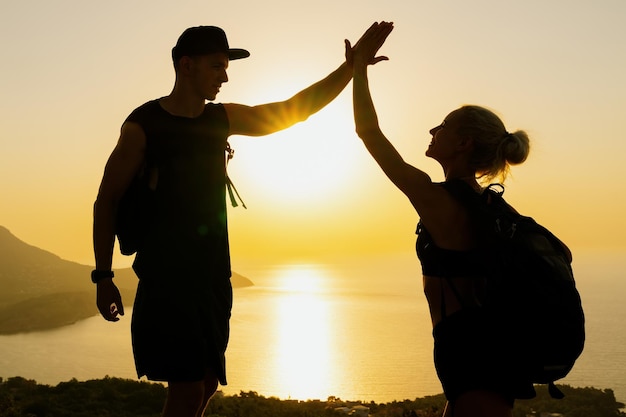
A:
(357, 329)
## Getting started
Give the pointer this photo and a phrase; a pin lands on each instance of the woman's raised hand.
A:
(365, 50)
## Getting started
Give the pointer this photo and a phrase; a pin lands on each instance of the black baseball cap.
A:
(203, 40)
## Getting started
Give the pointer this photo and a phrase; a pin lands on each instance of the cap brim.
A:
(237, 54)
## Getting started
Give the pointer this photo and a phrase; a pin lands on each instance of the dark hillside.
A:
(27, 271)
(41, 291)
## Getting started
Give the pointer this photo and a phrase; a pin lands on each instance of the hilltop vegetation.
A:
(41, 291)
(125, 398)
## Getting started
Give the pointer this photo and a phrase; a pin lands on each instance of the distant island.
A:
(126, 398)
(41, 291)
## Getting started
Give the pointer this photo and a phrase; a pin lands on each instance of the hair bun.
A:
(516, 147)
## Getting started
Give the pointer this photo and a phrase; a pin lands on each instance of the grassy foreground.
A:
(20, 397)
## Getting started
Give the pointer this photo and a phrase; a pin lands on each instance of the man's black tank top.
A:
(189, 230)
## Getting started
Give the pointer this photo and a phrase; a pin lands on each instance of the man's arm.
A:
(269, 118)
(272, 117)
(121, 167)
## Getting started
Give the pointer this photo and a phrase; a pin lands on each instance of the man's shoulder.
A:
(142, 111)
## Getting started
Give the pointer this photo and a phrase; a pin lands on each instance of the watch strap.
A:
(97, 275)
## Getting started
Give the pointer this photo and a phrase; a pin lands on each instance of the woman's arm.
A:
(406, 177)
(432, 202)
(403, 175)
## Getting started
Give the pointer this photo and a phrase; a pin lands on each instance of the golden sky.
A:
(73, 70)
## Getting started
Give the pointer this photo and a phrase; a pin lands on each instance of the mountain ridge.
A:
(40, 290)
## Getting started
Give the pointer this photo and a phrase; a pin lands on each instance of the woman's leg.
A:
(479, 404)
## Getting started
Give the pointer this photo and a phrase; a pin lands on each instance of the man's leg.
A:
(210, 386)
(189, 399)
(184, 399)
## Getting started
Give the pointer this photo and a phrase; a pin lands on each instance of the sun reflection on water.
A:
(304, 350)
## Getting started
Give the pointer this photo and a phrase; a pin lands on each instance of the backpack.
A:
(134, 213)
(135, 208)
(530, 287)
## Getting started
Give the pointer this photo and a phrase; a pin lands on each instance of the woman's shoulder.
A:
(447, 219)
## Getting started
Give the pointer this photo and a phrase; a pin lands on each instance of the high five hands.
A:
(364, 51)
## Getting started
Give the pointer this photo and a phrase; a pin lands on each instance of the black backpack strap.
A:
(486, 207)
(464, 192)
(229, 183)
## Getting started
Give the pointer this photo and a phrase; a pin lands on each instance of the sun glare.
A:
(314, 159)
(305, 279)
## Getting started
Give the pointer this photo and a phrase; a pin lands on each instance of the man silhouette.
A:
(180, 323)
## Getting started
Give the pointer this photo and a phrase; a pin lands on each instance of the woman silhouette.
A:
(470, 144)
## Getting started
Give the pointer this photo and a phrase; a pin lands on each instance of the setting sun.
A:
(310, 160)
(301, 279)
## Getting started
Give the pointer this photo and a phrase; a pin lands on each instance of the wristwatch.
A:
(97, 275)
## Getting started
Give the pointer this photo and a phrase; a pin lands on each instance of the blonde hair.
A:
(495, 149)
